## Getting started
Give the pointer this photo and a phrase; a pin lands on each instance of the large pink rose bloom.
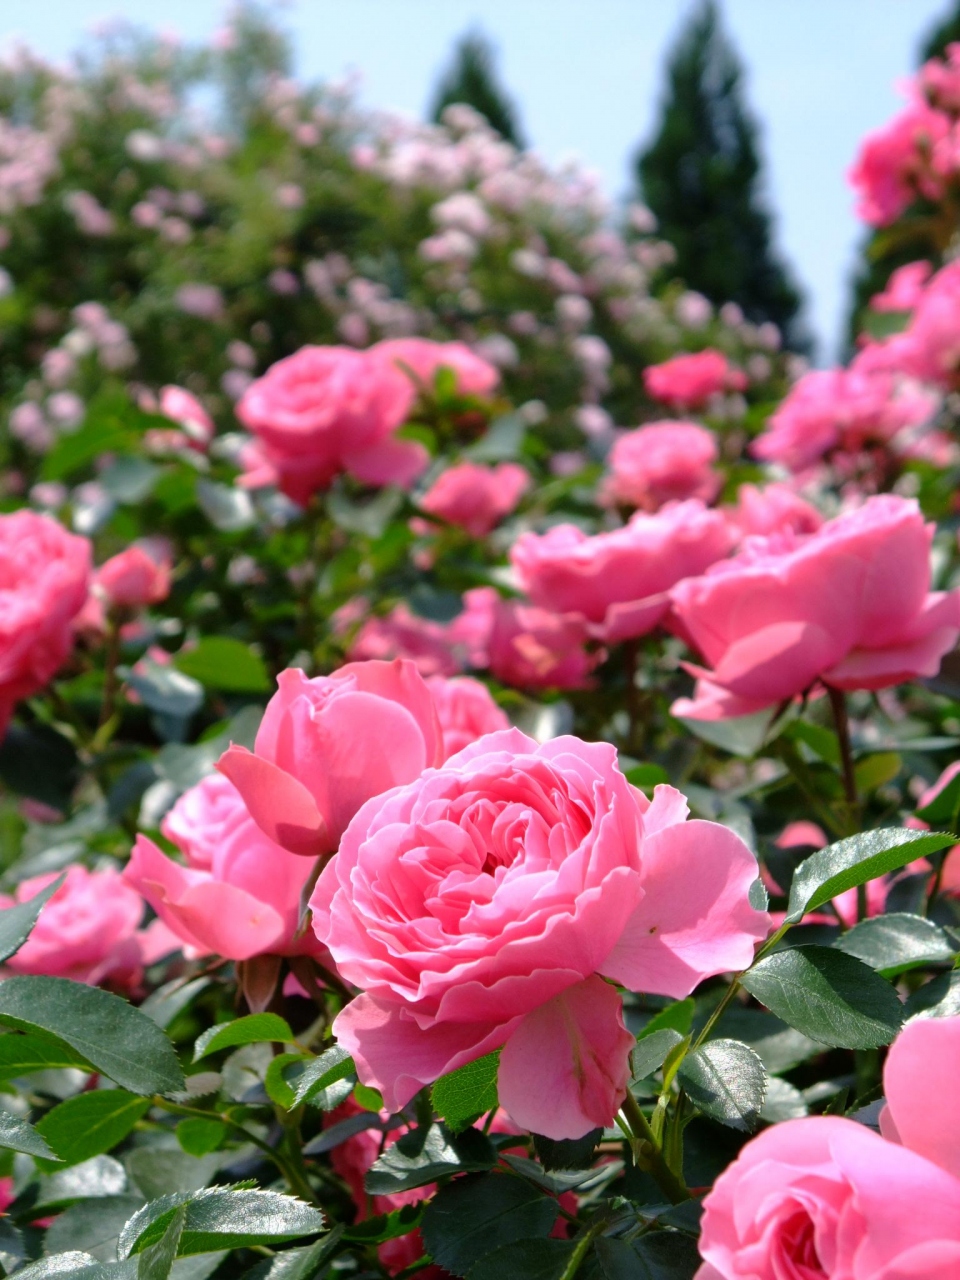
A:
(466, 711)
(522, 645)
(88, 930)
(325, 410)
(689, 381)
(475, 498)
(419, 359)
(619, 581)
(848, 605)
(44, 579)
(662, 462)
(238, 893)
(481, 906)
(842, 410)
(828, 1199)
(326, 745)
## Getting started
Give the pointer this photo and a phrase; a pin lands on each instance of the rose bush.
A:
(424, 500)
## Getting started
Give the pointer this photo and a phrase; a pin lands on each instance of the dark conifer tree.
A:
(472, 78)
(701, 176)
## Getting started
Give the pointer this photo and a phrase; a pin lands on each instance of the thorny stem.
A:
(580, 1252)
(647, 1152)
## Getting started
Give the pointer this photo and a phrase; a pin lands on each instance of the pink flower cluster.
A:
(826, 1196)
(917, 155)
(662, 462)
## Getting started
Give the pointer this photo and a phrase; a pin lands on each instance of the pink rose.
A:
(843, 410)
(893, 166)
(826, 1197)
(848, 605)
(45, 574)
(135, 578)
(466, 711)
(429, 645)
(688, 381)
(774, 508)
(522, 645)
(481, 906)
(662, 462)
(183, 408)
(238, 894)
(929, 348)
(326, 745)
(87, 931)
(904, 289)
(419, 359)
(619, 581)
(475, 498)
(325, 410)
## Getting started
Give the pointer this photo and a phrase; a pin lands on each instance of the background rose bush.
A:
(544, 625)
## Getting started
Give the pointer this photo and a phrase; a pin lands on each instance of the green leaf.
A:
(820, 740)
(854, 861)
(297, 1264)
(38, 762)
(166, 1171)
(18, 1135)
(163, 1005)
(893, 943)
(164, 689)
(77, 1265)
(650, 1052)
(220, 662)
(110, 1034)
(531, 1259)
(369, 519)
(937, 999)
(330, 1067)
(567, 1153)
(91, 1123)
(666, 1255)
(12, 1246)
(279, 1090)
(944, 808)
(677, 1017)
(783, 1101)
(91, 1225)
(876, 770)
(94, 1179)
(828, 995)
(646, 776)
(253, 1029)
(471, 1217)
(222, 1218)
(426, 1154)
(17, 921)
(106, 429)
(387, 1226)
(726, 1080)
(462, 1095)
(198, 1137)
(157, 1259)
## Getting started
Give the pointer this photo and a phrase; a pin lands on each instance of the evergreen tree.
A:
(947, 31)
(701, 177)
(471, 78)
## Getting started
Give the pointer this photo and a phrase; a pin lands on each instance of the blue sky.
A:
(587, 75)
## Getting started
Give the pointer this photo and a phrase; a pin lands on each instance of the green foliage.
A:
(896, 942)
(474, 1216)
(467, 1093)
(17, 921)
(221, 1218)
(108, 1032)
(426, 1154)
(253, 1029)
(828, 995)
(726, 1080)
(91, 1123)
(701, 177)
